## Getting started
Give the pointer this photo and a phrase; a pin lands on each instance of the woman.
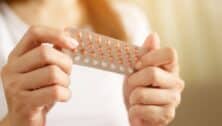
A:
(34, 80)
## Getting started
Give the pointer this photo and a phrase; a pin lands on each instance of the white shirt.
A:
(97, 98)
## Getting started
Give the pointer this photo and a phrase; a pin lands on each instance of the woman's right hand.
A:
(37, 75)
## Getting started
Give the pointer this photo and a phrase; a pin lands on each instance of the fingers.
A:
(151, 115)
(152, 55)
(37, 35)
(152, 96)
(156, 77)
(43, 77)
(162, 57)
(152, 42)
(48, 95)
(153, 92)
(42, 56)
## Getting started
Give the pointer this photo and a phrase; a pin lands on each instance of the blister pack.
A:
(102, 52)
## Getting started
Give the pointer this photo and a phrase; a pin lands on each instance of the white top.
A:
(97, 98)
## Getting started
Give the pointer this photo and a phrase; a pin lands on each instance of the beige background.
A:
(194, 28)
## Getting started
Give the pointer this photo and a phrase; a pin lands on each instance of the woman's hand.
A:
(153, 93)
(37, 75)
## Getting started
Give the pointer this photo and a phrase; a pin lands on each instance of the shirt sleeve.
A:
(3, 55)
(135, 22)
(3, 105)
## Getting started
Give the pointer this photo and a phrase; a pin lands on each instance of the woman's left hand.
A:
(153, 93)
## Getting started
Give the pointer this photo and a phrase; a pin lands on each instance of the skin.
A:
(44, 10)
(153, 93)
(34, 79)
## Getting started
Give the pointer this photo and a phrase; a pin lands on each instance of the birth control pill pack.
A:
(102, 52)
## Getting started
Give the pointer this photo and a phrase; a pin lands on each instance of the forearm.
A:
(5, 122)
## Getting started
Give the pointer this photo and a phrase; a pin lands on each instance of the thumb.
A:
(152, 42)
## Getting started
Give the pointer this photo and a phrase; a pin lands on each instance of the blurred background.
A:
(194, 28)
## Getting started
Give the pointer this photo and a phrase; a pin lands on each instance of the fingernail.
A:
(73, 42)
(156, 36)
(138, 65)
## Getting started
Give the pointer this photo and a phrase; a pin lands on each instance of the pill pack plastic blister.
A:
(104, 52)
